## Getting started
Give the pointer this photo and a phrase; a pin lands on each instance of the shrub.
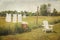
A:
(3, 32)
(18, 29)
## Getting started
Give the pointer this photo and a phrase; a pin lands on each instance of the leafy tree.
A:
(54, 12)
(49, 9)
(43, 9)
(28, 13)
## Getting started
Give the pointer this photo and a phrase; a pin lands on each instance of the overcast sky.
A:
(28, 5)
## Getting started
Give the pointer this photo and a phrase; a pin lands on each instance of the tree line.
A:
(44, 10)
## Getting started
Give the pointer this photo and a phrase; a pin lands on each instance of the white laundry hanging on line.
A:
(14, 18)
(24, 16)
(8, 17)
(19, 18)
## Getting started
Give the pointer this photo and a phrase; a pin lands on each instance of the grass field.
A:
(36, 34)
(31, 20)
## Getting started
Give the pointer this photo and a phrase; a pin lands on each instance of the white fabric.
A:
(19, 18)
(8, 17)
(24, 22)
(14, 18)
(24, 16)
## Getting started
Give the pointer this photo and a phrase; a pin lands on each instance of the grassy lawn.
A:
(31, 20)
(36, 34)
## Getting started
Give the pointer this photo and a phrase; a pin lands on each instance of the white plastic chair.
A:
(47, 27)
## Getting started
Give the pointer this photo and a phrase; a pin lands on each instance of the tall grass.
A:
(13, 28)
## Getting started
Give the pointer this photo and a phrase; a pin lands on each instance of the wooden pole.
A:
(37, 16)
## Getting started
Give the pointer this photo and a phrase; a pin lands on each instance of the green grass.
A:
(31, 20)
(36, 34)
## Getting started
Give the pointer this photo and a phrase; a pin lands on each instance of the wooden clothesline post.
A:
(37, 16)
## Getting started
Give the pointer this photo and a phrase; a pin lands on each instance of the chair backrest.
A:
(46, 25)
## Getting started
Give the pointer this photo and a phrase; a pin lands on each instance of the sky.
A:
(27, 5)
